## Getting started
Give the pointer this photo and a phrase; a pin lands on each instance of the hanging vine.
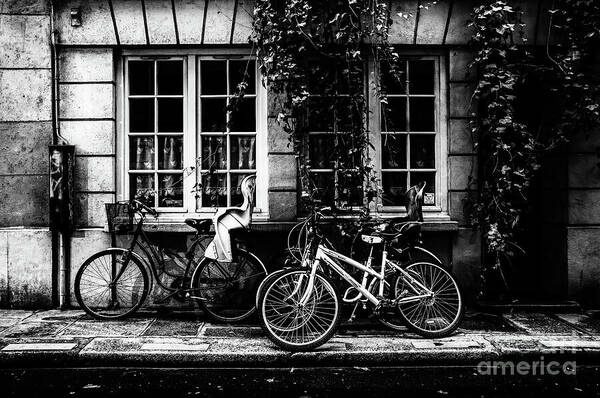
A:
(510, 144)
(312, 55)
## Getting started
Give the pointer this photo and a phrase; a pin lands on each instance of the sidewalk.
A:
(71, 338)
(65, 353)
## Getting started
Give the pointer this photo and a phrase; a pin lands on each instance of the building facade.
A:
(140, 87)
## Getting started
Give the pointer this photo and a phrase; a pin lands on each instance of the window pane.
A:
(422, 114)
(170, 153)
(213, 79)
(349, 115)
(321, 77)
(422, 151)
(321, 112)
(170, 115)
(321, 149)
(170, 77)
(421, 76)
(324, 186)
(141, 115)
(236, 193)
(214, 190)
(170, 190)
(429, 178)
(393, 115)
(350, 189)
(393, 148)
(350, 156)
(243, 116)
(237, 70)
(141, 77)
(350, 79)
(141, 153)
(213, 114)
(394, 83)
(243, 152)
(214, 153)
(141, 187)
(394, 188)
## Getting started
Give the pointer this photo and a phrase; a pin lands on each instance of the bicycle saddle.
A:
(199, 224)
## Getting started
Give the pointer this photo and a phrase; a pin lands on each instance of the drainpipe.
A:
(61, 180)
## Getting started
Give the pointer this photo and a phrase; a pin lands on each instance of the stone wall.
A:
(25, 133)
(87, 119)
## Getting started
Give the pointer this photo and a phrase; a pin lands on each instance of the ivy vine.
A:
(312, 55)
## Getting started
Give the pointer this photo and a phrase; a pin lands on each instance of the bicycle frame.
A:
(152, 260)
(329, 257)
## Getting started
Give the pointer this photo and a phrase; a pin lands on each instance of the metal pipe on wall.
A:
(61, 186)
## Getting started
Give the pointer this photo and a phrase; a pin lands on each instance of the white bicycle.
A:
(300, 308)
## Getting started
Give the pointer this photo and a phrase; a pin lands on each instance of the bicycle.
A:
(406, 248)
(300, 308)
(115, 282)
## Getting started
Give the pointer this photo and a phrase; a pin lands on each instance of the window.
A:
(187, 140)
(227, 139)
(330, 164)
(410, 139)
(155, 133)
(407, 134)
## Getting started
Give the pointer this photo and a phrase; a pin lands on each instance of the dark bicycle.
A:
(115, 282)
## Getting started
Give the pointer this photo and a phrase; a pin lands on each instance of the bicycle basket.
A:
(120, 217)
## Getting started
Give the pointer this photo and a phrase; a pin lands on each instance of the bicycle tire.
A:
(216, 300)
(96, 269)
(261, 288)
(436, 276)
(267, 311)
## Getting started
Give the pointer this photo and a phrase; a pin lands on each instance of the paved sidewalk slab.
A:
(583, 322)
(172, 328)
(34, 329)
(40, 347)
(91, 328)
(537, 323)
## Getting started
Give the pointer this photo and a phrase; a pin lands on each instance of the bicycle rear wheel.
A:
(436, 316)
(101, 295)
(227, 291)
(295, 327)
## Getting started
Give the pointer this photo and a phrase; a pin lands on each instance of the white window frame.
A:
(440, 209)
(191, 130)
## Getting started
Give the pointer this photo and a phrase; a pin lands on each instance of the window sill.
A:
(263, 225)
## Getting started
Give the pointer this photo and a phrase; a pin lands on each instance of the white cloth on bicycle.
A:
(229, 219)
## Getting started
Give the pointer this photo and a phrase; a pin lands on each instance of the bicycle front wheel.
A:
(435, 316)
(108, 287)
(291, 325)
(226, 291)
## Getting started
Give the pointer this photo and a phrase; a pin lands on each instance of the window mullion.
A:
(189, 134)
(156, 174)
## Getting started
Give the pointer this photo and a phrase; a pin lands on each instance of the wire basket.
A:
(120, 217)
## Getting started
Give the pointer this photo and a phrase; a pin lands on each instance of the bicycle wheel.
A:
(295, 327)
(227, 291)
(435, 316)
(261, 287)
(103, 297)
